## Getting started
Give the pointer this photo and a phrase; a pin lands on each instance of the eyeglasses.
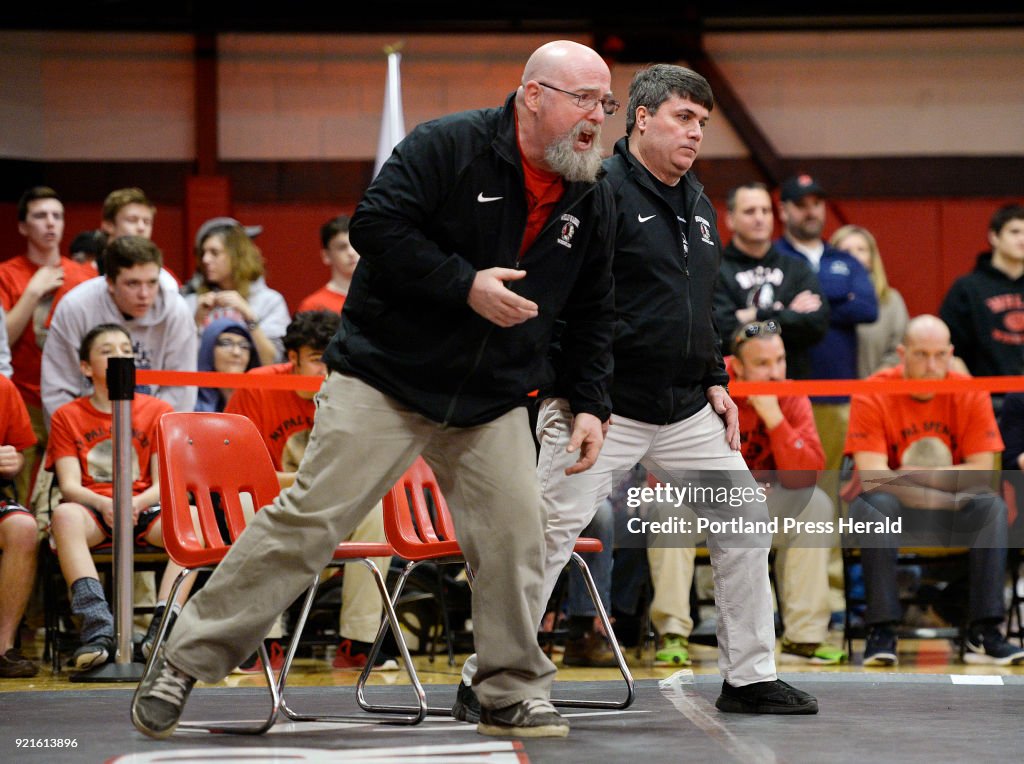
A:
(229, 344)
(755, 329)
(588, 101)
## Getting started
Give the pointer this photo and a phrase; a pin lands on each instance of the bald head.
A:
(556, 60)
(926, 327)
(926, 350)
(560, 106)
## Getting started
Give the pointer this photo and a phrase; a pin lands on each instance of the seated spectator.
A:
(931, 452)
(285, 417)
(227, 347)
(232, 285)
(982, 308)
(133, 294)
(877, 341)
(81, 452)
(19, 539)
(781, 447)
(341, 257)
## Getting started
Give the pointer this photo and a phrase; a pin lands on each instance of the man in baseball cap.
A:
(799, 186)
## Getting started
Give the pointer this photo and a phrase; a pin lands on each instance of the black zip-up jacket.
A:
(449, 202)
(667, 351)
(761, 282)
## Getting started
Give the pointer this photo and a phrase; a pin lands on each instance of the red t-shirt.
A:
(322, 299)
(27, 352)
(887, 424)
(282, 417)
(79, 429)
(15, 426)
(543, 190)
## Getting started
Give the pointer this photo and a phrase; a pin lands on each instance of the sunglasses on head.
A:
(755, 329)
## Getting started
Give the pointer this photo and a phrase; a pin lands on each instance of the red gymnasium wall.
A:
(925, 243)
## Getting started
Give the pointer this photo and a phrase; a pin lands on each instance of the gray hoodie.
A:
(164, 338)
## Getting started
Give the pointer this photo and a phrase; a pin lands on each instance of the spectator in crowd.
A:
(851, 298)
(87, 248)
(131, 294)
(227, 347)
(927, 460)
(756, 283)
(128, 212)
(19, 538)
(233, 285)
(81, 453)
(31, 286)
(285, 417)
(877, 341)
(340, 256)
(982, 309)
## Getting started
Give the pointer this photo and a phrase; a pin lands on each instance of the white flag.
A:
(392, 123)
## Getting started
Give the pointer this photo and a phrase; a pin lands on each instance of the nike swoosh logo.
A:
(643, 219)
(484, 199)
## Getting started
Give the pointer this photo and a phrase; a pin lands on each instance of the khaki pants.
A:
(746, 630)
(361, 443)
(801, 564)
(360, 600)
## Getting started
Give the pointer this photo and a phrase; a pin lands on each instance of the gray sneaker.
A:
(532, 717)
(466, 707)
(160, 699)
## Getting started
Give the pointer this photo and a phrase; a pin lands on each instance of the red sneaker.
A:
(352, 654)
(253, 664)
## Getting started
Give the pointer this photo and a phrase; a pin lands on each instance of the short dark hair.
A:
(311, 328)
(332, 228)
(127, 252)
(655, 84)
(1004, 215)
(730, 199)
(85, 348)
(32, 195)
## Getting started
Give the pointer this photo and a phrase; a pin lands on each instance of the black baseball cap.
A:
(799, 186)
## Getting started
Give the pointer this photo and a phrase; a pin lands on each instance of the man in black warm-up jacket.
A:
(479, 231)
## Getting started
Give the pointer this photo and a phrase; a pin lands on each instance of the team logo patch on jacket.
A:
(569, 226)
(705, 230)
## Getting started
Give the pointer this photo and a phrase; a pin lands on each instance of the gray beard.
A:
(575, 166)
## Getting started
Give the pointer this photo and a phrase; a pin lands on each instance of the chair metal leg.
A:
(248, 727)
(415, 715)
(381, 633)
(620, 660)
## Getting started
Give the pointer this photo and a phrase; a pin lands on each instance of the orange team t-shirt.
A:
(15, 426)
(282, 417)
(27, 352)
(322, 299)
(81, 430)
(888, 424)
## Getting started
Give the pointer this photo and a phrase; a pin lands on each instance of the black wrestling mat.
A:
(864, 717)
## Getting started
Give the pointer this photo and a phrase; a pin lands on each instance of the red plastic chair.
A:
(417, 534)
(206, 454)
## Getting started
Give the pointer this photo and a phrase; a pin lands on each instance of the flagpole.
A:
(392, 125)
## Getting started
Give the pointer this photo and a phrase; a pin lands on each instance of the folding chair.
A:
(205, 455)
(418, 535)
